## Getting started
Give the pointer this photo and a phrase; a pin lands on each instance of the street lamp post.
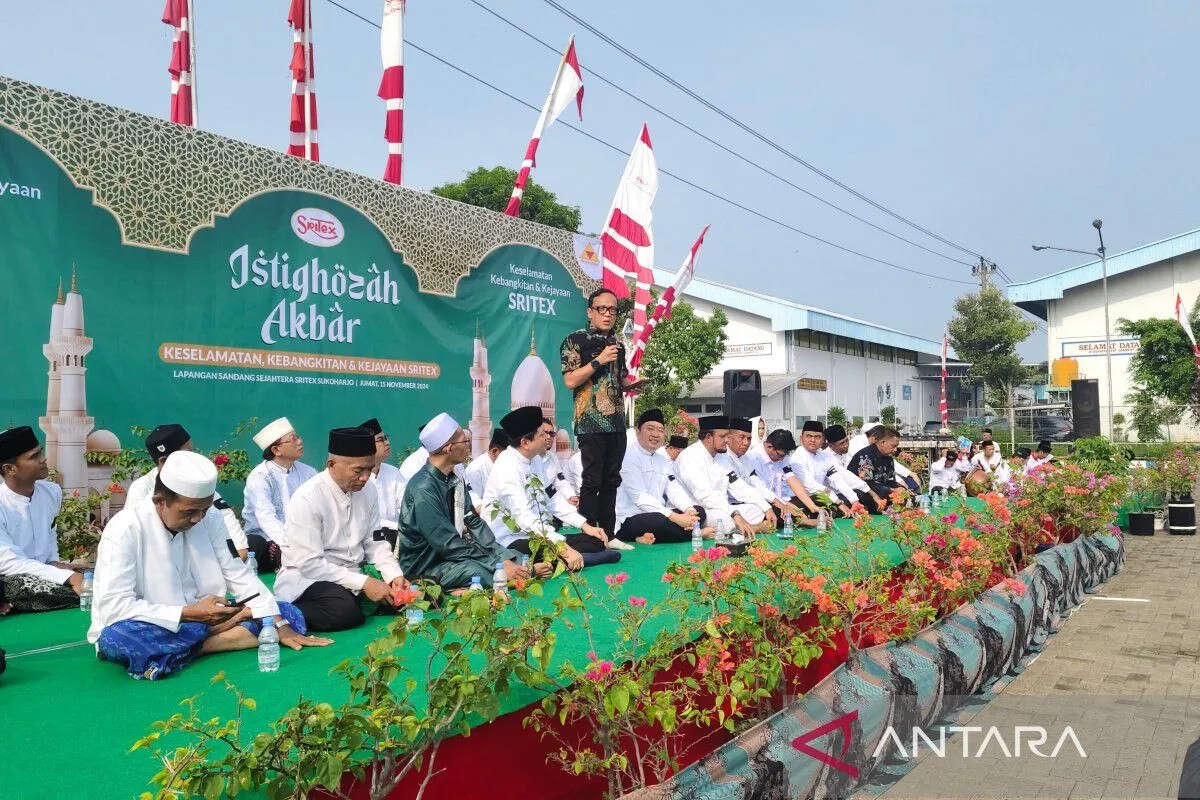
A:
(1100, 251)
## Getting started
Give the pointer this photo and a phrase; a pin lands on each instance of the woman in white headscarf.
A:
(758, 433)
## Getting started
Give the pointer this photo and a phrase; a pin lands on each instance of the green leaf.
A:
(619, 696)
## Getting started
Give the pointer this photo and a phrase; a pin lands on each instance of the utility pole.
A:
(982, 272)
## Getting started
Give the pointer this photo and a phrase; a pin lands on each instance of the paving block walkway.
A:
(1123, 673)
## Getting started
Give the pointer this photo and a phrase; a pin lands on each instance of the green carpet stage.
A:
(69, 718)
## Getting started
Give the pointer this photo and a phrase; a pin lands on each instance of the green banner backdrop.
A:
(206, 281)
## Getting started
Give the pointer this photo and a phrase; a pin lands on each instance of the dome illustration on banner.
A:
(532, 384)
(81, 457)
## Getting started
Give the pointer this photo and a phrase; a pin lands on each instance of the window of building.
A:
(693, 408)
(713, 408)
(881, 352)
(847, 346)
(906, 357)
(814, 340)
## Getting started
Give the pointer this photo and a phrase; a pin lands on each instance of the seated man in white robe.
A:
(1041, 455)
(331, 533)
(778, 471)
(813, 468)
(387, 483)
(269, 487)
(477, 472)
(516, 509)
(988, 459)
(164, 440)
(162, 576)
(674, 446)
(946, 473)
(643, 514)
(748, 488)
(842, 481)
(31, 576)
(706, 480)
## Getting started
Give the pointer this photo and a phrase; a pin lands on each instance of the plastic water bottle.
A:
(789, 528)
(476, 584)
(252, 562)
(85, 594)
(268, 646)
(499, 579)
(414, 616)
(697, 536)
(823, 521)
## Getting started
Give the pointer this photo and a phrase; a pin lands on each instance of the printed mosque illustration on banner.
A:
(71, 444)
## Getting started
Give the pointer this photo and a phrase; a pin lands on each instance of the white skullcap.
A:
(189, 474)
(438, 431)
(273, 433)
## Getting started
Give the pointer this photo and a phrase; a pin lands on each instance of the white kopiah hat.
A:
(189, 474)
(438, 431)
(273, 433)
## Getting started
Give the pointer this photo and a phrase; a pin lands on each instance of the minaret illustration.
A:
(481, 379)
(66, 423)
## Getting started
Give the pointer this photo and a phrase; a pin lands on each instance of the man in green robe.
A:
(442, 539)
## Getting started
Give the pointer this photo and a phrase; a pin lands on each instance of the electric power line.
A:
(593, 73)
(753, 132)
(687, 182)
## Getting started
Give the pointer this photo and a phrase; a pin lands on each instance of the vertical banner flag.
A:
(1187, 328)
(627, 245)
(663, 307)
(943, 409)
(178, 14)
(391, 87)
(303, 122)
(568, 83)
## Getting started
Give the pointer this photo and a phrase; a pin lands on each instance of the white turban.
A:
(438, 431)
(189, 474)
(273, 433)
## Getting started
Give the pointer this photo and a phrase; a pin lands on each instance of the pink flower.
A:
(668, 577)
(637, 602)
(716, 553)
(599, 671)
(1015, 586)
(616, 580)
(950, 518)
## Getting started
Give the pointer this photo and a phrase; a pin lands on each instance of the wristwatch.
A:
(595, 365)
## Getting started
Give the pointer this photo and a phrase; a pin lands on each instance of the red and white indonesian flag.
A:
(663, 308)
(568, 85)
(391, 87)
(303, 120)
(178, 14)
(1187, 327)
(627, 245)
(944, 409)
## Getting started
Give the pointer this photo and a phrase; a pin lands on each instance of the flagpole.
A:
(306, 42)
(192, 62)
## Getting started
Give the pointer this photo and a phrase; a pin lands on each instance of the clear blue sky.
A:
(994, 124)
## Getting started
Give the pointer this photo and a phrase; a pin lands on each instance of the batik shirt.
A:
(598, 402)
(876, 469)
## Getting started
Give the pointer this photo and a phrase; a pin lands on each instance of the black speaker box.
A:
(743, 393)
(1085, 407)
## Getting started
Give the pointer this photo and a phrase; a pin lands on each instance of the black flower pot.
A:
(1141, 523)
(1181, 515)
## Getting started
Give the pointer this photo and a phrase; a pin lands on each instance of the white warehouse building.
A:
(811, 359)
(1142, 283)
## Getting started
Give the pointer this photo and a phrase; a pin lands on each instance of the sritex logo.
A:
(318, 227)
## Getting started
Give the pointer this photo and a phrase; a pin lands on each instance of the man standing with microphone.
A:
(594, 368)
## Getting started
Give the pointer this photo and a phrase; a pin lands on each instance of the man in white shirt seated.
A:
(642, 511)
(164, 440)
(1041, 455)
(162, 576)
(749, 488)
(988, 458)
(812, 468)
(477, 472)
(332, 531)
(675, 445)
(706, 480)
(845, 484)
(516, 509)
(387, 483)
(31, 576)
(946, 473)
(269, 487)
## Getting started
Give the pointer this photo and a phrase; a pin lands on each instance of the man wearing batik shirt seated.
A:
(31, 576)
(162, 575)
(874, 465)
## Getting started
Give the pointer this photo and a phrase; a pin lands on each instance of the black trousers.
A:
(266, 552)
(328, 606)
(579, 542)
(664, 530)
(602, 454)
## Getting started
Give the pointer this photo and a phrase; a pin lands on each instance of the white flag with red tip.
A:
(943, 408)
(663, 308)
(391, 86)
(302, 121)
(627, 244)
(178, 14)
(1187, 327)
(568, 84)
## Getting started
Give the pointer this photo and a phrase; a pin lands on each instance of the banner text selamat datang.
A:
(250, 358)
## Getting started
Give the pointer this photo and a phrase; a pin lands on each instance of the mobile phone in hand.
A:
(240, 603)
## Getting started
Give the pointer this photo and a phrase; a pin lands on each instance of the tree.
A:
(836, 416)
(1162, 373)
(683, 349)
(986, 333)
(491, 188)
(887, 415)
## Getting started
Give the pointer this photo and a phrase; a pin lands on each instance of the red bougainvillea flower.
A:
(1015, 586)
(668, 577)
(716, 553)
(116, 488)
(790, 550)
(220, 459)
(402, 597)
(616, 580)
(768, 611)
(599, 671)
(637, 602)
